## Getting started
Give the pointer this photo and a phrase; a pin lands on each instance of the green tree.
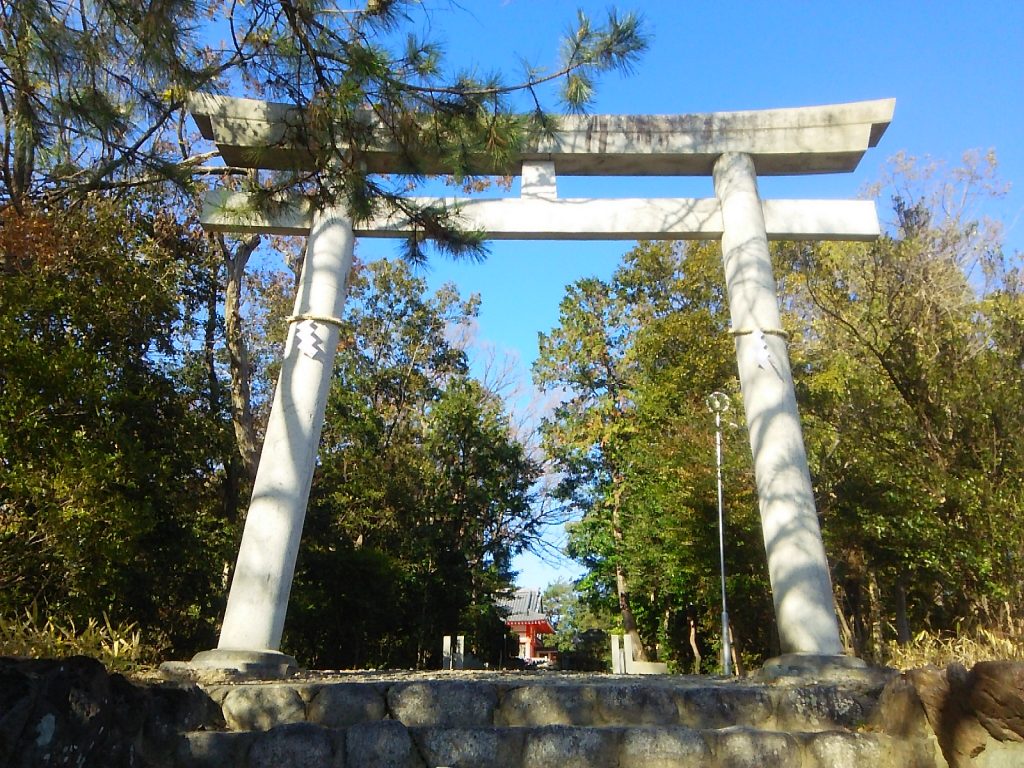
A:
(634, 442)
(109, 491)
(907, 358)
(581, 628)
(571, 615)
(422, 495)
(910, 384)
(93, 100)
(586, 354)
(93, 95)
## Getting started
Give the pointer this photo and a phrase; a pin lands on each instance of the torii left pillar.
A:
(250, 638)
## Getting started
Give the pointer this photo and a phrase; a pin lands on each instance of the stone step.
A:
(390, 744)
(505, 703)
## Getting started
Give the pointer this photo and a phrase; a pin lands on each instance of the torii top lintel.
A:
(822, 139)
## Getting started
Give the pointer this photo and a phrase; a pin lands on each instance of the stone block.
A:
(384, 744)
(819, 667)
(923, 752)
(233, 664)
(996, 694)
(977, 716)
(218, 692)
(636, 705)
(829, 138)
(548, 705)
(446, 704)
(470, 747)
(342, 705)
(1000, 754)
(261, 707)
(57, 711)
(212, 749)
(675, 747)
(741, 747)
(15, 687)
(842, 749)
(559, 746)
(173, 710)
(945, 697)
(899, 711)
(297, 745)
(721, 707)
(16, 704)
(818, 708)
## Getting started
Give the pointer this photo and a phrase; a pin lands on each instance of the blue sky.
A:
(955, 69)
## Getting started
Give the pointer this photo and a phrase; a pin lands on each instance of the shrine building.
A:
(525, 616)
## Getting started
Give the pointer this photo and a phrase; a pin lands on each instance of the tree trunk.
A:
(621, 584)
(628, 619)
(737, 659)
(874, 618)
(20, 119)
(238, 352)
(845, 633)
(693, 645)
(216, 395)
(902, 623)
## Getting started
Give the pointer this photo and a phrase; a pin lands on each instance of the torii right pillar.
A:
(797, 567)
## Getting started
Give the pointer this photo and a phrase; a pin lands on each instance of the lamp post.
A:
(718, 403)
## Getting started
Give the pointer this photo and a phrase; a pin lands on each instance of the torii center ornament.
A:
(732, 147)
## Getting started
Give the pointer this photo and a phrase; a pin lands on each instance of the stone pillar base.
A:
(812, 665)
(254, 664)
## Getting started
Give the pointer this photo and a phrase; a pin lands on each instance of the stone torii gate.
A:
(732, 147)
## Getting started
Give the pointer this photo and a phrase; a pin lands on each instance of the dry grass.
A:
(1004, 641)
(120, 648)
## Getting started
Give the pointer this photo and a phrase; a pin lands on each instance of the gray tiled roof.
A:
(523, 605)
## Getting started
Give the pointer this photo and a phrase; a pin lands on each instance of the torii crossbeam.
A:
(733, 147)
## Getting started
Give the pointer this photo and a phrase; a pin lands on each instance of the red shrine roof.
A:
(525, 609)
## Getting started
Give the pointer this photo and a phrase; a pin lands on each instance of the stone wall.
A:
(73, 713)
(977, 715)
